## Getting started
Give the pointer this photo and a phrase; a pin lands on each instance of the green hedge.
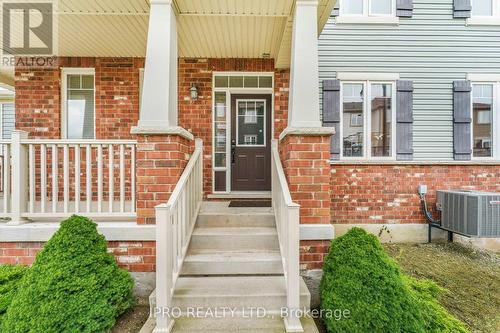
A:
(73, 286)
(10, 279)
(360, 277)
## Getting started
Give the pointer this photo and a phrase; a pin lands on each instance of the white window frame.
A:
(367, 17)
(495, 139)
(367, 140)
(494, 19)
(65, 71)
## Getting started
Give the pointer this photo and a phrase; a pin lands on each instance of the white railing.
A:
(175, 222)
(53, 179)
(287, 223)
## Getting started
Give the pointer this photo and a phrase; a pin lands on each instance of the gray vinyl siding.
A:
(432, 49)
(8, 119)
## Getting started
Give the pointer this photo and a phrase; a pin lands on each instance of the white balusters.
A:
(32, 170)
(43, 178)
(88, 176)
(65, 178)
(111, 180)
(55, 180)
(6, 170)
(174, 227)
(122, 178)
(132, 177)
(77, 178)
(27, 165)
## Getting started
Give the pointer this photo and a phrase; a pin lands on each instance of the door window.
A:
(251, 123)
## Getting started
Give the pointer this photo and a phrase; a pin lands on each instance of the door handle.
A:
(233, 151)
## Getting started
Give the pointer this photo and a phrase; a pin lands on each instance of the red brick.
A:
(24, 253)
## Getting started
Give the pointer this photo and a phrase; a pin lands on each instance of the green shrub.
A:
(74, 285)
(10, 279)
(360, 277)
(436, 318)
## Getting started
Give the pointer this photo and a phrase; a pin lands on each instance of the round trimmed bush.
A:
(73, 286)
(359, 276)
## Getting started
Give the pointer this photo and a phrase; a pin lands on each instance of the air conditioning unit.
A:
(470, 213)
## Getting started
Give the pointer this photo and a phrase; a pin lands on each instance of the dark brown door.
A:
(251, 142)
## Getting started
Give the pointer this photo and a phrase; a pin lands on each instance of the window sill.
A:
(483, 21)
(389, 20)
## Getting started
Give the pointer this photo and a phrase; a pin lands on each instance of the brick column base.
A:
(306, 163)
(160, 161)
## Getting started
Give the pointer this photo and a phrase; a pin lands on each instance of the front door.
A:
(251, 142)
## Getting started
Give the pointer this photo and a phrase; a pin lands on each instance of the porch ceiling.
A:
(215, 28)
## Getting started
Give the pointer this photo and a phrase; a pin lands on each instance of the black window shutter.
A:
(462, 8)
(331, 114)
(404, 8)
(462, 120)
(336, 9)
(404, 120)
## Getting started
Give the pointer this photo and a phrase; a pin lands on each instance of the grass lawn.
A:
(472, 278)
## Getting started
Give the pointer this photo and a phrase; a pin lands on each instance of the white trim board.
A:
(317, 232)
(127, 231)
(42, 232)
(483, 77)
(346, 19)
(353, 76)
(393, 232)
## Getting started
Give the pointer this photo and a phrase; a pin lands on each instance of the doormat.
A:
(250, 203)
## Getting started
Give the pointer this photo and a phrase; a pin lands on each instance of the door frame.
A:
(229, 92)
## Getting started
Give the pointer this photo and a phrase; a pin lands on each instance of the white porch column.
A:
(158, 111)
(303, 107)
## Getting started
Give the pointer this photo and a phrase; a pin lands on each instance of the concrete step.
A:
(236, 324)
(238, 292)
(238, 219)
(219, 214)
(211, 262)
(235, 239)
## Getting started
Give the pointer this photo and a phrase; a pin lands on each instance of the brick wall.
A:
(281, 90)
(313, 253)
(161, 159)
(305, 162)
(388, 193)
(132, 255)
(38, 97)
(365, 194)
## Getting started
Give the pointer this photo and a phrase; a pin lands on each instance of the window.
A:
(484, 12)
(482, 7)
(78, 103)
(367, 7)
(243, 81)
(220, 129)
(367, 119)
(251, 116)
(484, 126)
(251, 125)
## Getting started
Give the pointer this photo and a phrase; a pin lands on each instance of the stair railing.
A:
(287, 223)
(175, 222)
